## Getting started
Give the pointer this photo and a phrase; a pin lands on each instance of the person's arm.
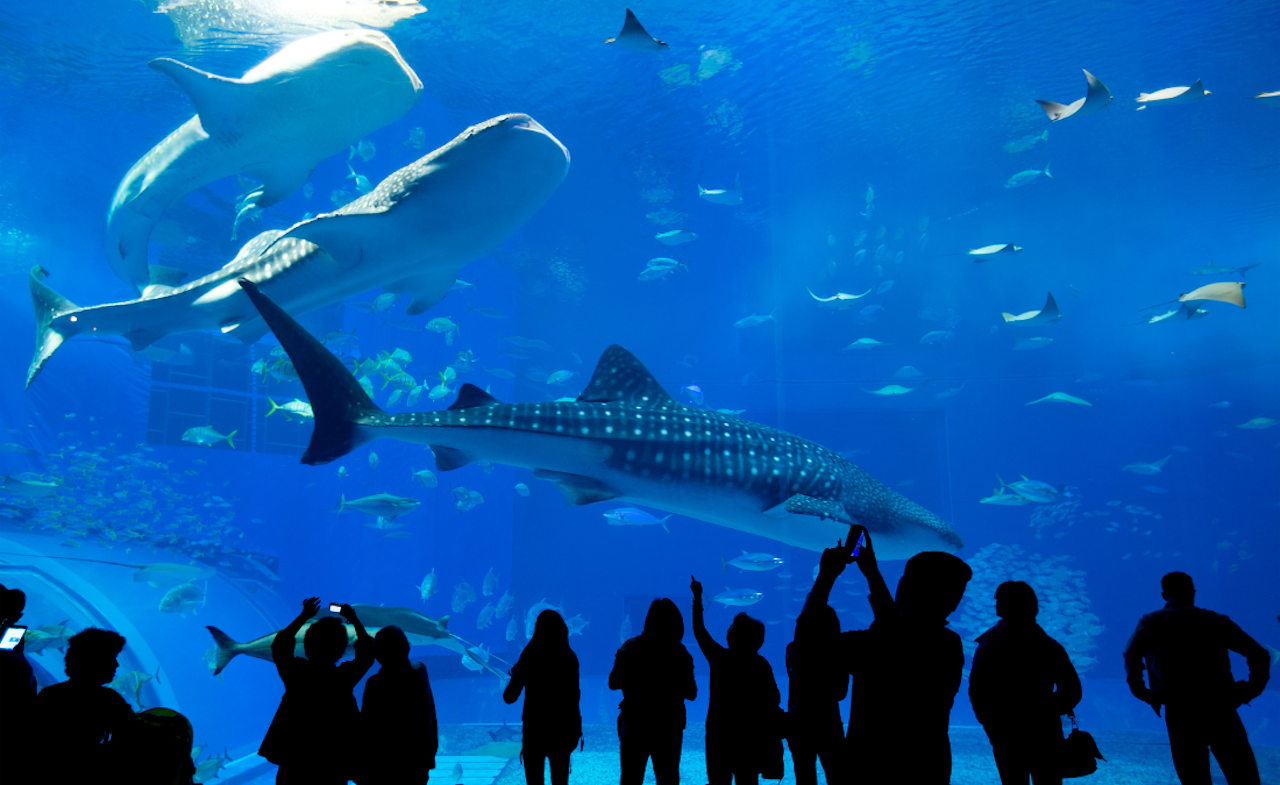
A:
(1255, 655)
(1066, 680)
(978, 692)
(1134, 666)
(830, 566)
(882, 604)
(690, 684)
(512, 693)
(618, 676)
(363, 646)
(710, 648)
(285, 642)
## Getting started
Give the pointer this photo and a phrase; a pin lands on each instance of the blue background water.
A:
(809, 104)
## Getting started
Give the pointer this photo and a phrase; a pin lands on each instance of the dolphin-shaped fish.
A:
(1098, 97)
(626, 439)
(635, 37)
(1173, 95)
(1046, 315)
(306, 102)
(412, 235)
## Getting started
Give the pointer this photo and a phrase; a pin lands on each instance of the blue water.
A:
(809, 105)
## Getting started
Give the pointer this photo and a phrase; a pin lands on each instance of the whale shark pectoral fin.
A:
(448, 458)
(427, 290)
(577, 489)
(211, 94)
(808, 505)
(141, 339)
(279, 179)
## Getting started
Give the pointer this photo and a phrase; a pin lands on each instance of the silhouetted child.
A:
(318, 714)
(743, 733)
(1020, 685)
(82, 721)
(18, 688)
(906, 668)
(547, 672)
(397, 717)
(655, 673)
(1185, 652)
(817, 684)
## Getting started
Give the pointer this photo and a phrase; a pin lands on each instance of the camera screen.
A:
(335, 607)
(12, 636)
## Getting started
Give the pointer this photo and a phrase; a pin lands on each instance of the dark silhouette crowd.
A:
(901, 675)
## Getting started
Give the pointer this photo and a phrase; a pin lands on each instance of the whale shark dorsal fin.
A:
(211, 94)
(471, 396)
(620, 377)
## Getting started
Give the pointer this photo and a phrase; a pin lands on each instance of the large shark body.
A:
(411, 235)
(421, 630)
(625, 438)
(283, 117)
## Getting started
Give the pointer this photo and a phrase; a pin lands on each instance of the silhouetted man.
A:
(397, 717)
(18, 688)
(80, 719)
(906, 668)
(1185, 652)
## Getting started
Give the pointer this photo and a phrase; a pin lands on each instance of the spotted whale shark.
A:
(276, 123)
(624, 438)
(411, 235)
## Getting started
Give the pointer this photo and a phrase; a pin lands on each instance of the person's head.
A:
(1016, 601)
(931, 586)
(818, 626)
(1178, 587)
(391, 647)
(664, 623)
(325, 641)
(549, 631)
(12, 603)
(91, 655)
(746, 635)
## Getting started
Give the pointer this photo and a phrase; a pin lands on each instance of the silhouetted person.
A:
(547, 672)
(742, 728)
(1185, 652)
(82, 721)
(318, 713)
(18, 688)
(398, 717)
(906, 668)
(1020, 685)
(817, 684)
(655, 673)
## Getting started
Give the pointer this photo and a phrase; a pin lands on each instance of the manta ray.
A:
(1098, 97)
(1173, 95)
(303, 104)
(626, 439)
(411, 235)
(1046, 315)
(635, 37)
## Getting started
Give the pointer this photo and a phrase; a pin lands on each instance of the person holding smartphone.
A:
(310, 736)
(17, 686)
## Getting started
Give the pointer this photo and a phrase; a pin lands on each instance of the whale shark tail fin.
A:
(340, 404)
(55, 321)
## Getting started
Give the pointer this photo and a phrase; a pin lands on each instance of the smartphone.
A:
(860, 544)
(335, 607)
(12, 637)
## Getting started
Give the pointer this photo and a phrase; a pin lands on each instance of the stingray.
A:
(156, 574)
(635, 37)
(1181, 313)
(1046, 315)
(301, 105)
(1268, 99)
(981, 254)
(894, 389)
(1060, 397)
(1098, 97)
(839, 300)
(1173, 95)
(730, 196)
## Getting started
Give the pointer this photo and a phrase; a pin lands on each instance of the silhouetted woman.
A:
(817, 685)
(1021, 683)
(547, 672)
(742, 712)
(398, 716)
(318, 711)
(655, 673)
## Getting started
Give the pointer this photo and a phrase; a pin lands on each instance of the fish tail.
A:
(340, 405)
(52, 325)
(274, 407)
(724, 565)
(1047, 173)
(227, 648)
(664, 525)
(230, 443)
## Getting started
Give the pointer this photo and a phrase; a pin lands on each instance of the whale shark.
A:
(626, 439)
(412, 234)
(301, 105)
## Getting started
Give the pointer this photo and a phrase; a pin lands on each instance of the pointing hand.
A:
(696, 587)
